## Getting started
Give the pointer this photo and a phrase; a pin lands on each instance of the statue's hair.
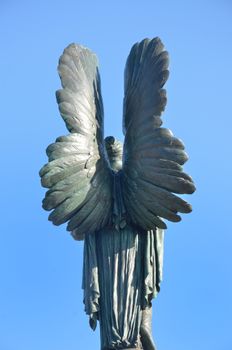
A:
(114, 149)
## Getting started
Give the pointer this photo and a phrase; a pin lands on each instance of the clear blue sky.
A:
(41, 265)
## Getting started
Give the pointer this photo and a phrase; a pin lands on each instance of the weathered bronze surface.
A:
(115, 197)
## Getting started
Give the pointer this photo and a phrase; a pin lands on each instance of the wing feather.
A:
(78, 175)
(152, 156)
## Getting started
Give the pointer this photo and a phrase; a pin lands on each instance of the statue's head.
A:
(114, 151)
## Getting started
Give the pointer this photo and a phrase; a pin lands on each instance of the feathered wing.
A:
(152, 156)
(77, 174)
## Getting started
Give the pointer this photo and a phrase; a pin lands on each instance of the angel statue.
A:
(114, 196)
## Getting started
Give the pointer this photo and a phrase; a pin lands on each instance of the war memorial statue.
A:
(114, 196)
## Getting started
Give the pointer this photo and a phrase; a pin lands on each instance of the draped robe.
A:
(122, 272)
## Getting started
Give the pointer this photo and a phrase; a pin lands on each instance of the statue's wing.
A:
(153, 157)
(77, 174)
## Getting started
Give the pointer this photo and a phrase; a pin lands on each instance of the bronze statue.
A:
(115, 197)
